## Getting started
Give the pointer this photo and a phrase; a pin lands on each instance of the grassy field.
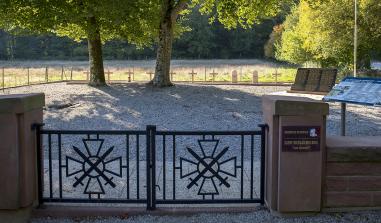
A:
(18, 73)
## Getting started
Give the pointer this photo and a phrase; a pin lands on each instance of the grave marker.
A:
(255, 77)
(192, 75)
(234, 77)
(214, 74)
(150, 74)
(276, 75)
(108, 75)
(87, 74)
(129, 73)
(172, 73)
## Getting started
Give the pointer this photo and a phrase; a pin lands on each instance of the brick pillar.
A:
(294, 153)
(18, 192)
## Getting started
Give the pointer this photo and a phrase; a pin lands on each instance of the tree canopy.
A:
(322, 32)
(96, 21)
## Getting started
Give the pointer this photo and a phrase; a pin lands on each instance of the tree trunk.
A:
(97, 76)
(164, 50)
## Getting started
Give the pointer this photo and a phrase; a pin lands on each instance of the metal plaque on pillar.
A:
(300, 138)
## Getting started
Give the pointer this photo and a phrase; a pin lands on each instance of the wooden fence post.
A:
(62, 73)
(3, 73)
(240, 74)
(205, 75)
(46, 75)
(28, 75)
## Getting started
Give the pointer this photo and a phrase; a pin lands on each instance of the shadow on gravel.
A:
(182, 107)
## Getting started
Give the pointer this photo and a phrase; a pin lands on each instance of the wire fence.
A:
(24, 76)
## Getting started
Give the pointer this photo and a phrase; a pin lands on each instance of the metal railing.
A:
(151, 167)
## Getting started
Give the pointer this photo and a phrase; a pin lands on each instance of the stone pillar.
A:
(255, 77)
(234, 77)
(294, 153)
(18, 193)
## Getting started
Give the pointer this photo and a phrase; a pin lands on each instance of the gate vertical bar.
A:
(151, 167)
(263, 148)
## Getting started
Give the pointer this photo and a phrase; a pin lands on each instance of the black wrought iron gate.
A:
(151, 167)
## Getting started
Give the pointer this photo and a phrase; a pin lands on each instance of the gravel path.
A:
(257, 216)
(183, 107)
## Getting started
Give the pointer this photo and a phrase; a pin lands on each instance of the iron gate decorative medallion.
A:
(209, 167)
(94, 166)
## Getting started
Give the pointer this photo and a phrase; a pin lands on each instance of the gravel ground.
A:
(183, 107)
(257, 216)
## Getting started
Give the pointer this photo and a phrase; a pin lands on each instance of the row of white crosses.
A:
(130, 74)
(108, 73)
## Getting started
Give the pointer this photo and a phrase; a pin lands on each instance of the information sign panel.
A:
(365, 91)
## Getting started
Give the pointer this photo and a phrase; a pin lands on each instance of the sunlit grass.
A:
(218, 72)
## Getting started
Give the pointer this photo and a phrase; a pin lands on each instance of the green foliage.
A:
(137, 22)
(133, 20)
(322, 31)
(202, 41)
(243, 13)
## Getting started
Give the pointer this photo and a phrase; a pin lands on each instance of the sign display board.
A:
(300, 138)
(365, 91)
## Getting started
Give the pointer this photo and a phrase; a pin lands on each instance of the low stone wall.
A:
(353, 172)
